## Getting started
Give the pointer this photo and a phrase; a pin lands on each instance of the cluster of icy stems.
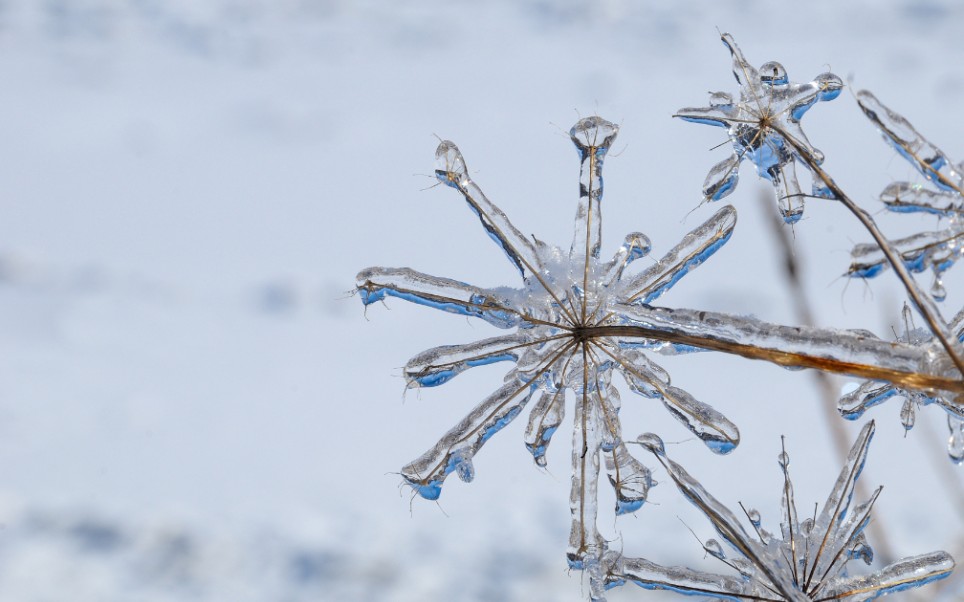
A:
(763, 125)
(870, 393)
(577, 319)
(930, 250)
(805, 561)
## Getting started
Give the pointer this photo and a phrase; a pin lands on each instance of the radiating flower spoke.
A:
(452, 296)
(451, 170)
(438, 365)
(695, 248)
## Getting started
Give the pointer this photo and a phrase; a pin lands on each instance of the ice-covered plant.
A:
(935, 250)
(763, 125)
(870, 393)
(561, 341)
(806, 561)
(578, 318)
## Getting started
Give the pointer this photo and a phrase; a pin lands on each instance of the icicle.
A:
(436, 366)
(955, 443)
(630, 479)
(460, 444)
(544, 419)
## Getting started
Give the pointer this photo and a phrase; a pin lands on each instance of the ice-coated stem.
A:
(839, 351)
(924, 304)
(682, 580)
(592, 136)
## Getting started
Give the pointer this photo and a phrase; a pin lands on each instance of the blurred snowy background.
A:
(191, 406)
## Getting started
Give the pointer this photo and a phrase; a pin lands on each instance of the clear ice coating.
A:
(579, 318)
(558, 342)
(936, 250)
(868, 394)
(763, 124)
(806, 561)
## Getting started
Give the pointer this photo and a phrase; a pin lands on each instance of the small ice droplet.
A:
(653, 443)
(784, 460)
(714, 548)
(593, 132)
(830, 86)
(464, 468)
(449, 165)
(955, 444)
(938, 292)
(754, 516)
(907, 414)
(773, 74)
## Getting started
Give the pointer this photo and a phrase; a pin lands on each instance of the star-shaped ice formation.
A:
(870, 393)
(805, 562)
(566, 336)
(936, 250)
(764, 127)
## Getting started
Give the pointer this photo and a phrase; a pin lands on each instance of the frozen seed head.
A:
(805, 562)
(763, 126)
(570, 330)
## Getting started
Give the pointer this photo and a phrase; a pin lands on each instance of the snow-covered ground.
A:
(192, 406)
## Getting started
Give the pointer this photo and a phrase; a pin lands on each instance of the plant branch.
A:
(925, 305)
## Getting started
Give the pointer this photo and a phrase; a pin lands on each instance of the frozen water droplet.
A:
(593, 133)
(938, 292)
(773, 74)
(653, 443)
(754, 516)
(907, 414)
(784, 460)
(863, 552)
(830, 86)
(449, 165)
(955, 444)
(465, 469)
(714, 548)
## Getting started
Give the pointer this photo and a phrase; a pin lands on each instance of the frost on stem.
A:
(805, 561)
(555, 343)
(868, 394)
(761, 124)
(935, 250)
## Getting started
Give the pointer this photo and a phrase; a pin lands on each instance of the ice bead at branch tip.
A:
(629, 478)
(806, 563)
(652, 443)
(450, 167)
(764, 128)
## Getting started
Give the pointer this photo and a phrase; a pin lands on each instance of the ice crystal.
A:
(933, 250)
(805, 561)
(764, 126)
(853, 404)
(559, 342)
